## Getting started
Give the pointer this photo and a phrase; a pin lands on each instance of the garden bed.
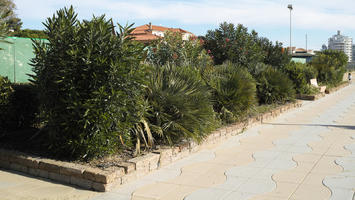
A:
(120, 172)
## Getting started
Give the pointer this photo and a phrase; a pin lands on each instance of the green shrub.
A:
(23, 108)
(274, 87)
(233, 89)
(180, 104)
(330, 65)
(235, 44)
(301, 74)
(91, 85)
(172, 49)
(6, 91)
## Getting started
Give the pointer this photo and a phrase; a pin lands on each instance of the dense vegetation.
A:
(101, 92)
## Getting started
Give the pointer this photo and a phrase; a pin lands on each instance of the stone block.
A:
(4, 164)
(222, 131)
(43, 173)
(90, 173)
(83, 183)
(71, 169)
(153, 161)
(59, 177)
(103, 187)
(49, 165)
(175, 150)
(141, 162)
(181, 155)
(99, 187)
(33, 172)
(130, 177)
(193, 147)
(127, 166)
(165, 156)
(18, 167)
(27, 161)
(110, 175)
(4, 155)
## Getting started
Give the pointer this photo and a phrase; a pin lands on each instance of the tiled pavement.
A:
(307, 153)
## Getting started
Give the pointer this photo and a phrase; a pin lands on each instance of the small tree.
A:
(91, 84)
(301, 74)
(235, 44)
(174, 50)
(274, 54)
(12, 21)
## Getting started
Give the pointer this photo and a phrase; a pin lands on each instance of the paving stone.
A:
(206, 194)
(342, 194)
(257, 186)
(311, 192)
(290, 176)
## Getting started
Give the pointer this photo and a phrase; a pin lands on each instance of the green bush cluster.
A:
(91, 84)
(233, 89)
(181, 106)
(101, 92)
(173, 49)
(274, 87)
(18, 105)
(6, 91)
(301, 74)
(330, 65)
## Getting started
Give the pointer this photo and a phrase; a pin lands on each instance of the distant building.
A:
(148, 32)
(302, 55)
(353, 55)
(341, 43)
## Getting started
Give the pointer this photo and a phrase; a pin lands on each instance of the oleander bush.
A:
(6, 91)
(301, 74)
(330, 65)
(24, 106)
(173, 49)
(235, 44)
(91, 84)
(274, 86)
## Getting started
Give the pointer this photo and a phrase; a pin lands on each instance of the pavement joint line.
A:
(309, 172)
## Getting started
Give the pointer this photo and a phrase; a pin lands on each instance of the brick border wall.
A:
(103, 180)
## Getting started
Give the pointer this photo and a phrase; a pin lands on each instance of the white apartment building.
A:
(341, 43)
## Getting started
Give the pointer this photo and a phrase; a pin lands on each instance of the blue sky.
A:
(319, 19)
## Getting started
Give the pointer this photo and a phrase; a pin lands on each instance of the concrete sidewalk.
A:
(307, 153)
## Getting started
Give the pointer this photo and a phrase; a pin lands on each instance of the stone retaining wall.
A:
(103, 180)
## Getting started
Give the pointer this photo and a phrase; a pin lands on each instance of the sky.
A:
(318, 19)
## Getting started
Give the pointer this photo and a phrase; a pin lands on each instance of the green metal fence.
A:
(15, 57)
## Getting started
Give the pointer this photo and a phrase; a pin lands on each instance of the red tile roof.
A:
(144, 32)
